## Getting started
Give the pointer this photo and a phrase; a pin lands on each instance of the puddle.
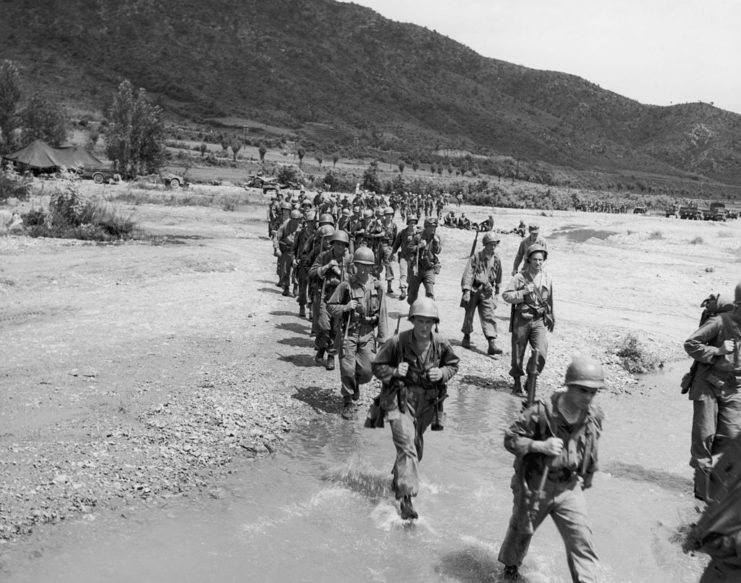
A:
(579, 235)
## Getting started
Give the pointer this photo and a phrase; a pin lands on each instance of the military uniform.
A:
(481, 279)
(404, 245)
(410, 410)
(283, 245)
(714, 392)
(562, 497)
(426, 248)
(533, 239)
(384, 257)
(361, 324)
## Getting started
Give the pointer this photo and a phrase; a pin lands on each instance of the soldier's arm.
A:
(315, 266)
(467, 277)
(700, 345)
(518, 257)
(519, 437)
(382, 315)
(448, 362)
(512, 294)
(386, 360)
(336, 302)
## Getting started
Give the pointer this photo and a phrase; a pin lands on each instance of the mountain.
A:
(340, 75)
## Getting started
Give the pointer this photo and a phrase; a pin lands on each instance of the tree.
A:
(10, 96)
(136, 132)
(402, 165)
(262, 150)
(335, 159)
(236, 146)
(203, 147)
(43, 120)
(301, 153)
(319, 158)
(370, 178)
(225, 142)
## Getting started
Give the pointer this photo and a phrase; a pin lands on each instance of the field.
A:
(138, 371)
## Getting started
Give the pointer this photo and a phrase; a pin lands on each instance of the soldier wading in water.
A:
(414, 367)
(555, 442)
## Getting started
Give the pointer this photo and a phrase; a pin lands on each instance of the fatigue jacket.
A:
(716, 374)
(534, 305)
(404, 241)
(428, 255)
(482, 275)
(371, 312)
(543, 420)
(524, 245)
(329, 277)
(304, 243)
(400, 348)
(285, 236)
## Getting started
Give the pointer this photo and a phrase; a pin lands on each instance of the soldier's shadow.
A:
(293, 327)
(485, 382)
(283, 313)
(301, 360)
(473, 565)
(301, 342)
(272, 290)
(319, 398)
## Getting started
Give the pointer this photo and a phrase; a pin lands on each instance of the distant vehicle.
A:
(671, 211)
(731, 214)
(269, 183)
(690, 212)
(716, 212)
(639, 210)
(171, 180)
(99, 174)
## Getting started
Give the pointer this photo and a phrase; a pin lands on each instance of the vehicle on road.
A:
(690, 212)
(716, 212)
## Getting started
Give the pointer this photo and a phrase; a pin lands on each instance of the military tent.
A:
(40, 156)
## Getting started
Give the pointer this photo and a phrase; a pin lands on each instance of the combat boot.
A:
(517, 388)
(389, 290)
(407, 509)
(466, 342)
(402, 294)
(319, 357)
(286, 291)
(329, 365)
(302, 311)
(493, 348)
(348, 410)
(511, 572)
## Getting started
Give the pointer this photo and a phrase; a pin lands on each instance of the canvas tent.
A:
(40, 156)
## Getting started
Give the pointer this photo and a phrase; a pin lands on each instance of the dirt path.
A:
(136, 372)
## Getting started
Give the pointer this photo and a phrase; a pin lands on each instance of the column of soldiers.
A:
(344, 286)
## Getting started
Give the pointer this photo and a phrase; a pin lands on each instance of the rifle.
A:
(532, 377)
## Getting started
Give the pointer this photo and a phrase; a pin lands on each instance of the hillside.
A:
(341, 76)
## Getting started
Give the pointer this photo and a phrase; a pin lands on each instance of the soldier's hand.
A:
(467, 296)
(435, 374)
(402, 369)
(727, 347)
(514, 272)
(423, 244)
(277, 253)
(351, 305)
(333, 263)
(551, 446)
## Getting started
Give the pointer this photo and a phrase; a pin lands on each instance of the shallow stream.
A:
(321, 510)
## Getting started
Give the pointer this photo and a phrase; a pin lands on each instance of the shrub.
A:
(697, 241)
(656, 235)
(634, 356)
(13, 185)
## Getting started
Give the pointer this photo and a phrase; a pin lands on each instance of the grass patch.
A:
(697, 241)
(725, 235)
(656, 235)
(635, 357)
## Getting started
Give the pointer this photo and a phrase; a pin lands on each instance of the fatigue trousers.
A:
(407, 432)
(358, 352)
(303, 283)
(403, 270)
(485, 307)
(426, 278)
(327, 328)
(716, 420)
(719, 571)
(565, 503)
(526, 332)
(384, 253)
(285, 269)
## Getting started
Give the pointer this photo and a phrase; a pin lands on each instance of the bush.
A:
(634, 356)
(13, 185)
(697, 241)
(656, 235)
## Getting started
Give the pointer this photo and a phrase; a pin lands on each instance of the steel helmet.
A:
(341, 236)
(326, 219)
(326, 230)
(537, 247)
(345, 212)
(296, 214)
(379, 212)
(310, 215)
(286, 206)
(367, 214)
(425, 307)
(364, 256)
(430, 222)
(412, 219)
(585, 372)
(490, 237)
(388, 211)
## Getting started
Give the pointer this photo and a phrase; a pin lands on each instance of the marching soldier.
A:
(426, 248)
(533, 238)
(555, 444)
(403, 244)
(283, 247)
(480, 284)
(302, 251)
(359, 307)
(387, 237)
(330, 268)
(414, 367)
(531, 294)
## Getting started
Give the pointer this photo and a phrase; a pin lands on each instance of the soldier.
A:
(302, 251)
(386, 240)
(283, 247)
(403, 244)
(331, 268)
(275, 214)
(343, 223)
(319, 244)
(426, 248)
(360, 236)
(480, 284)
(359, 307)
(414, 367)
(716, 348)
(555, 444)
(531, 294)
(450, 220)
(533, 238)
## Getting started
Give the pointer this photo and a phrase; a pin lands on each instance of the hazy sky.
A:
(654, 51)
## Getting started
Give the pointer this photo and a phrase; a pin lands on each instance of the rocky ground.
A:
(135, 372)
